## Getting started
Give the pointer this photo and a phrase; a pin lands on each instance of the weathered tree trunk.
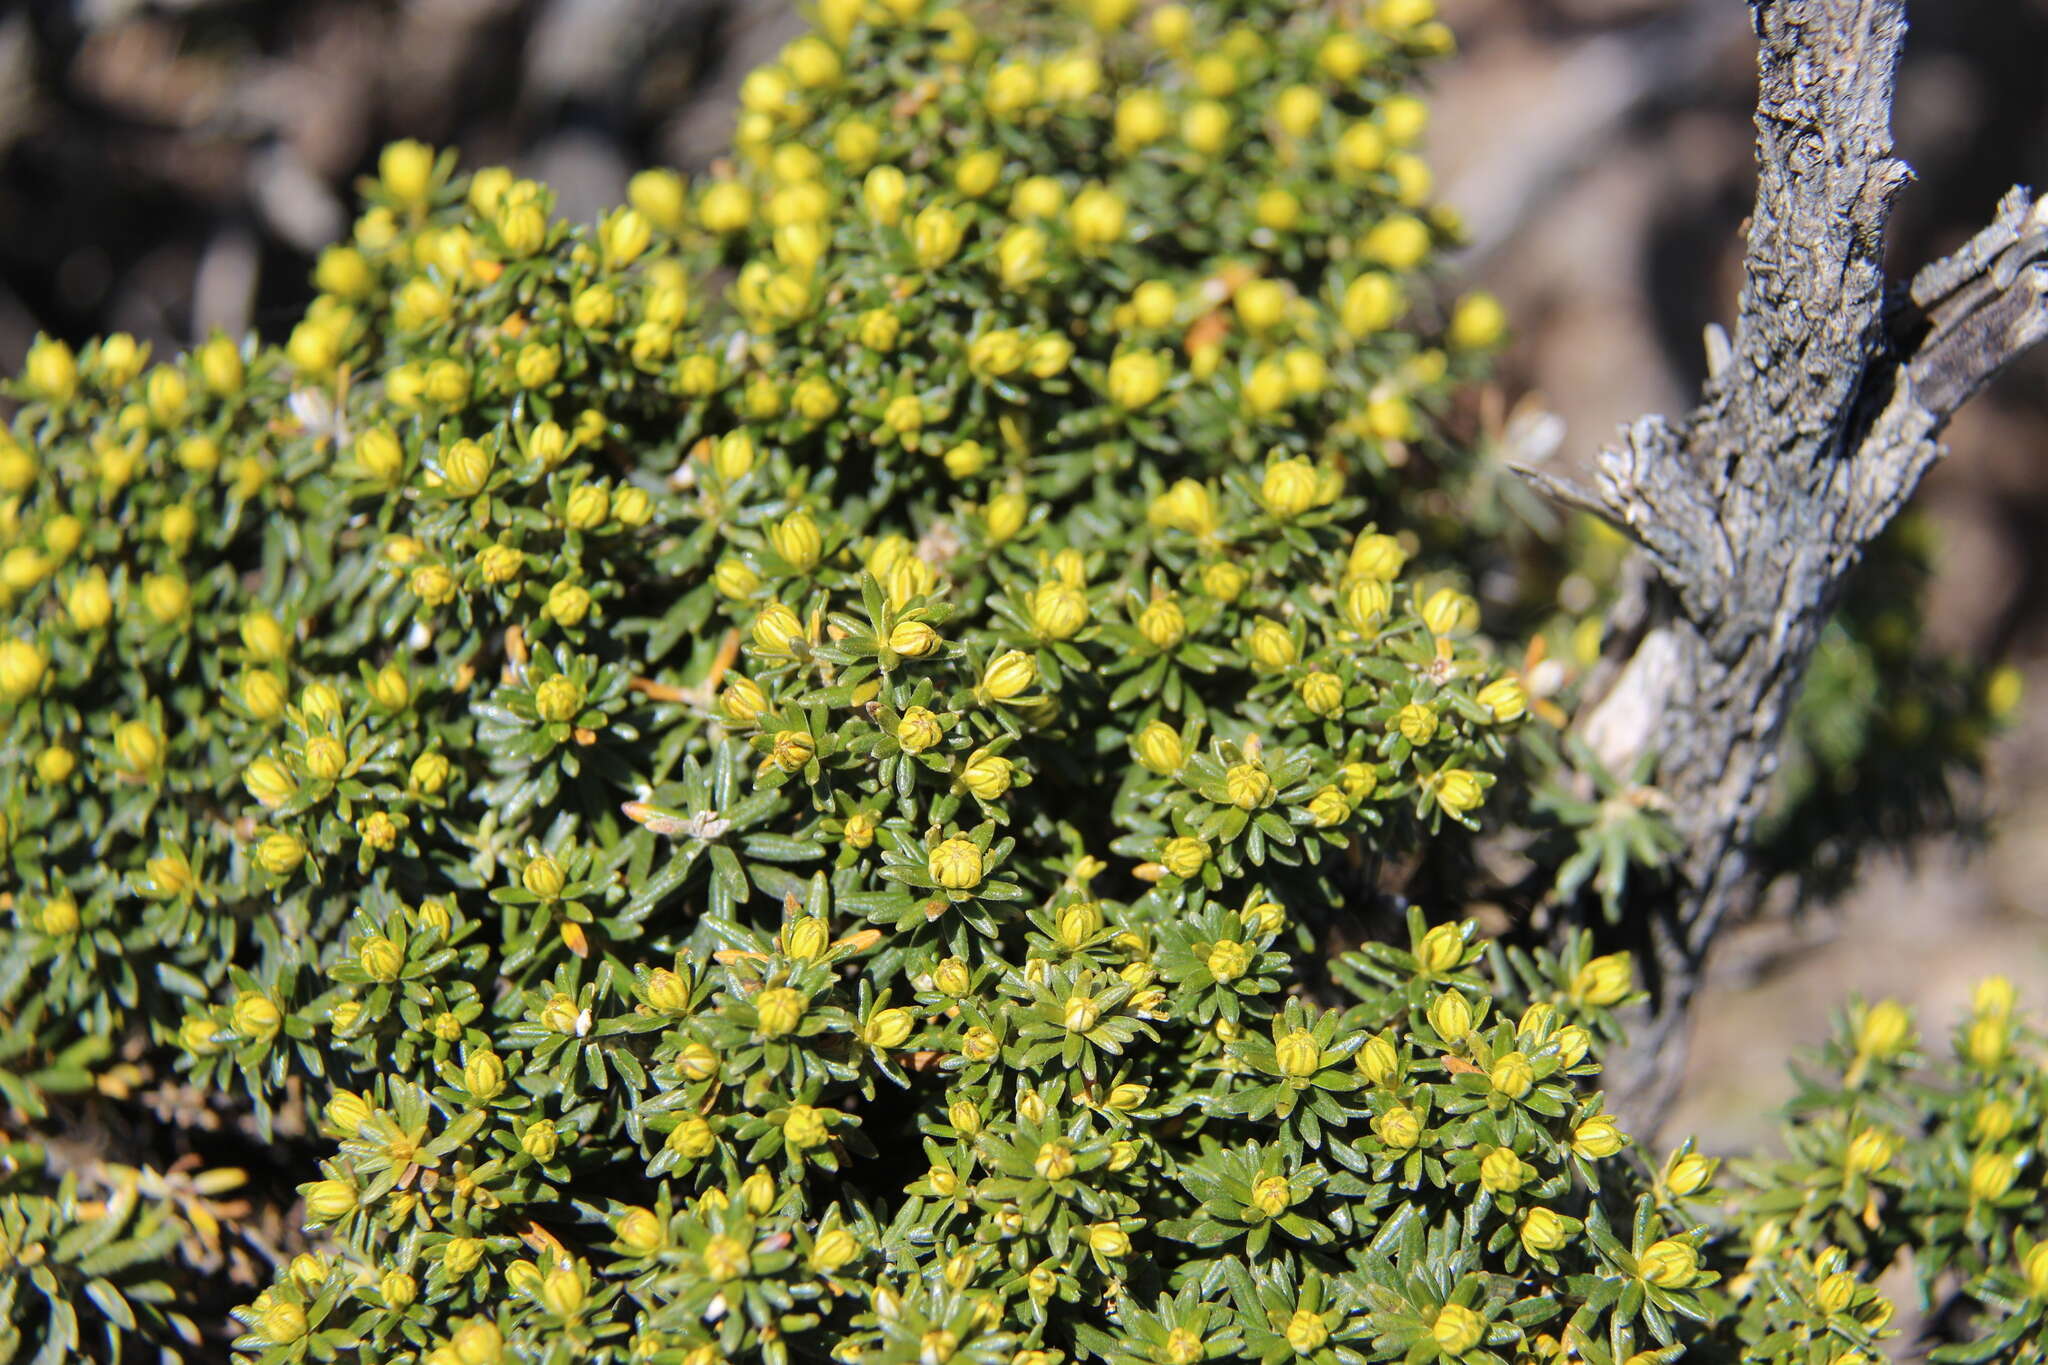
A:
(1817, 422)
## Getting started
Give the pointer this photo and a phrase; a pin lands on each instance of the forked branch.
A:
(1823, 412)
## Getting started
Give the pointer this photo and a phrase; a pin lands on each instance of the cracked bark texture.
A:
(1820, 415)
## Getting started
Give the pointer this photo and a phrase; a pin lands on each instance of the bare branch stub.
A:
(1817, 425)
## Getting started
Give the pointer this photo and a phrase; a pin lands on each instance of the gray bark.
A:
(1821, 414)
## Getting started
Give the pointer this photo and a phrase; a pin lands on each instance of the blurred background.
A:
(170, 166)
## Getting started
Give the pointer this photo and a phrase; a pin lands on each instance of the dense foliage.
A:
(796, 773)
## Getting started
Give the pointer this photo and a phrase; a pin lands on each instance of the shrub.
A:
(795, 773)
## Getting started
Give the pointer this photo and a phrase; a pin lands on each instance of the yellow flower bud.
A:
(987, 775)
(1358, 780)
(1097, 218)
(1870, 1150)
(1306, 1332)
(58, 918)
(1271, 645)
(1009, 675)
(742, 700)
(1297, 1054)
(660, 198)
(1262, 304)
(918, 730)
(1004, 517)
(777, 631)
(1985, 1040)
(22, 568)
(1688, 1174)
(1441, 951)
(1297, 110)
(429, 774)
(1992, 1175)
(1416, 722)
(483, 1075)
(1399, 241)
(1247, 786)
(283, 1323)
(1994, 1122)
(407, 171)
(860, 829)
(797, 539)
(978, 173)
(735, 579)
(1603, 982)
(165, 395)
(905, 417)
(1058, 611)
(1109, 1241)
(1505, 698)
(1268, 389)
(280, 853)
(1478, 323)
(399, 1290)
(2034, 1270)
(1669, 1264)
(792, 750)
(667, 992)
(567, 603)
(50, 371)
(1400, 1128)
(951, 978)
(23, 666)
(561, 1292)
(1012, 87)
(220, 366)
(1290, 488)
(1598, 1137)
(264, 638)
(1081, 1013)
(1159, 747)
(1227, 960)
(1457, 1329)
(1543, 1231)
(381, 959)
(914, 639)
(1378, 1061)
(55, 765)
(460, 1255)
(935, 236)
(1503, 1172)
(1141, 119)
(1458, 791)
(779, 1010)
(805, 939)
(1223, 581)
(1039, 196)
(623, 236)
(955, 864)
(326, 757)
(890, 1028)
(543, 877)
(1512, 1075)
(557, 700)
(256, 1015)
(1413, 181)
(1184, 857)
(1277, 209)
(1994, 997)
(725, 207)
(269, 782)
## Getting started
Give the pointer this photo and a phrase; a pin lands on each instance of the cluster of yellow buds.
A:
(881, 649)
